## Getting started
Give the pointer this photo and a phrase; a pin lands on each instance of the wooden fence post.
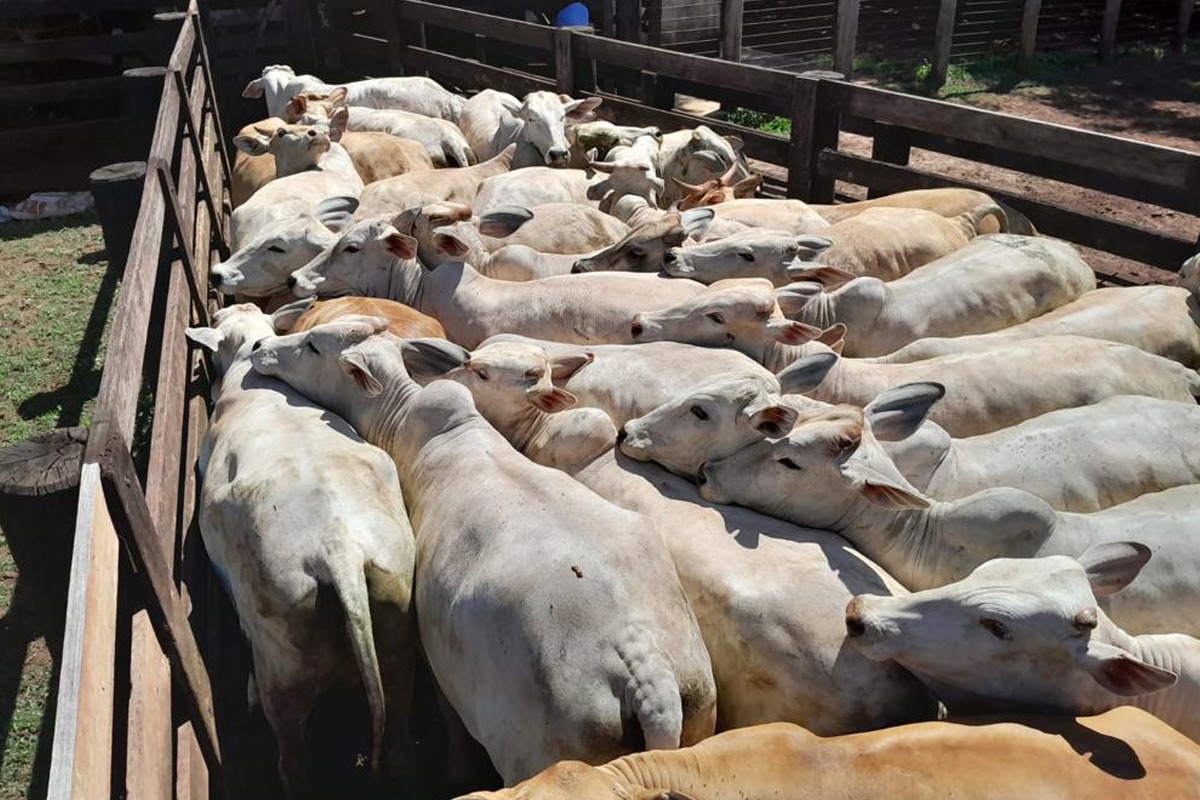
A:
(816, 123)
(943, 40)
(845, 36)
(1180, 37)
(629, 21)
(564, 65)
(731, 29)
(1108, 33)
(1029, 26)
(890, 144)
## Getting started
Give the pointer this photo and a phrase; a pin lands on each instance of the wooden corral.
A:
(379, 42)
(137, 710)
(135, 707)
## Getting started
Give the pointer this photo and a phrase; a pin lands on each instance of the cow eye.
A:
(746, 256)
(276, 249)
(717, 317)
(637, 252)
(312, 347)
(996, 628)
(699, 413)
(350, 248)
(482, 373)
(787, 462)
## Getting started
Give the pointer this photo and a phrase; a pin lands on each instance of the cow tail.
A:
(655, 697)
(1013, 221)
(350, 582)
(972, 219)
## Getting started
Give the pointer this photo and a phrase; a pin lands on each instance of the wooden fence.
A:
(385, 38)
(134, 710)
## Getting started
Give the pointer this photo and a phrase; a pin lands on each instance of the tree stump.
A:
(39, 491)
(117, 189)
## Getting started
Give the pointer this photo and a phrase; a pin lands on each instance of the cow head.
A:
(543, 117)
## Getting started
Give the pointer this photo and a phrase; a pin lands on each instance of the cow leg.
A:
(467, 764)
(287, 705)
(396, 648)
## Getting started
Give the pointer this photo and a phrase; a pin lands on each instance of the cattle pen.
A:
(149, 637)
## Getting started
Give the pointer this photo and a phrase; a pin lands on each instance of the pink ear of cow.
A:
(551, 400)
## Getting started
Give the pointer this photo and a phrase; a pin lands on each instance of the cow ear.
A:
(746, 187)
(564, 365)
(355, 365)
(810, 245)
(771, 419)
(695, 221)
(295, 108)
(879, 481)
(397, 243)
(283, 319)
(335, 213)
(253, 90)
(429, 359)
(829, 277)
(338, 121)
(806, 373)
(1112, 566)
(795, 296)
(338, 96)
(451, 245)
(736, 143)
(1123, 673)
(208, 338)
(550, 400)
(786, 331)
(582, 110)
(252, 144)
(897, 413)
(504, 221)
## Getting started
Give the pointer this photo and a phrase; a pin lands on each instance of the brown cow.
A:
(405, 322)
(1124, 754)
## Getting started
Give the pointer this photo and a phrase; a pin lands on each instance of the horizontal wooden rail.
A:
(82, 47)
(466, 72)
(25, 9)
(493, 27)
(1164, 166)
(48, 136)
(59, 91)
(1118, 238)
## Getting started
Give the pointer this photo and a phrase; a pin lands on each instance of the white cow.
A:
(1076, 459)
(986, 389)
(553, 620)
(794, 216)
(535, 186)
(778, 256)
(442, 140)
(1159, 319)
(1029, 634)
(261, 266)
(831, 472)
(374, 259)
(293, 505)
(420, 95)
(286, 198)
(494, 120)
(694, 156)
(776, 642)
(457, 184)
(995, 281)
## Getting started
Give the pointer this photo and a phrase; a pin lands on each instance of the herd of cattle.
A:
(631, 457)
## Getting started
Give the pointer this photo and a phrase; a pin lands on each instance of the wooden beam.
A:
(1029, 27)
(629, 21)
(845, 36)
(148, 752)
(564, 64)
(1108, 31)
(802, 169)
(1183, 26)
(732, 16)
(943, 39)
(81, 758)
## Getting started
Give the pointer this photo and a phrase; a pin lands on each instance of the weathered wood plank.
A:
(471, 73)
(1030, 14)
(1183, 25)
(139, 42)
(1165, 166)
(802, 169)
(132, 518)
(148, 753)
(732, 16)
(943, 40)
(1108, 30)
(81, 758)
(564, 63)
(506, 30)
(845, 36)
(60, 91)
(771, 85)
(1121, 239)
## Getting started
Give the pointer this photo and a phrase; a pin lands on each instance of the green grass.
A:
(52, 273)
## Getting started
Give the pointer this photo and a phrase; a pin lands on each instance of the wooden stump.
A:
(117, 189)
(141, 90)
(39, 490)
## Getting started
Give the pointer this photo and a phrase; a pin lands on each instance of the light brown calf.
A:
(405, 322)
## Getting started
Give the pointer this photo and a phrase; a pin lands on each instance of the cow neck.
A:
(439, 292)
(405, 283)
(381, 419)
(1175, 705)
(522, 427)
(694, 775)
(928, 547)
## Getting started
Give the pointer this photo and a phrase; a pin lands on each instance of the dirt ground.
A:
(1139, 98)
